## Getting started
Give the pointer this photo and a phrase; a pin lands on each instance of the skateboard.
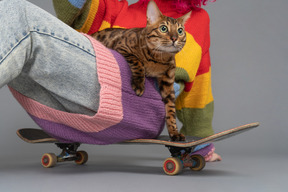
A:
(180, 150)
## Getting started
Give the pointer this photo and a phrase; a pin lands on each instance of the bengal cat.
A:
(151, 51)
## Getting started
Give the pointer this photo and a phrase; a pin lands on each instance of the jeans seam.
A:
(63, 40)
(14, 46)
(29, 33)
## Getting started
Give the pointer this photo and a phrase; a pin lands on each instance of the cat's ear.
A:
(153, 13)
(184, 18)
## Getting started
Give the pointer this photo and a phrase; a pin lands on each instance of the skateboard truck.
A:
(177, 151)
(69, 153)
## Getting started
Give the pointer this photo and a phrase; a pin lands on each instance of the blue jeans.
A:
(46, 60)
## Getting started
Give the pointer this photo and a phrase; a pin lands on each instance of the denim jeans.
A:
(46, 60)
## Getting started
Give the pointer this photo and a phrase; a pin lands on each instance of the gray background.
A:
(249, 47)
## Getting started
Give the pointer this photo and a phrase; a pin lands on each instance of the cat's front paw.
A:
(177, 137)
(139, 89)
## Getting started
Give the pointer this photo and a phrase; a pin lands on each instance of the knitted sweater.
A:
(195, 103)
(121, 114)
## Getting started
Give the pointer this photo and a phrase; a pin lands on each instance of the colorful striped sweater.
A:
(195, 104)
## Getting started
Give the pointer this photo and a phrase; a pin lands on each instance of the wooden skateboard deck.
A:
(193, 141)
(31, 135)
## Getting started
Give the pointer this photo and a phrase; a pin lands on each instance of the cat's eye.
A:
(180, 31)
(163, 29)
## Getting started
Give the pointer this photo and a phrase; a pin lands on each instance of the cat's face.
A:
(167, 35)
(164, 34)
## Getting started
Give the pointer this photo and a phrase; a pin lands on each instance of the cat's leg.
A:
(138, 72)
(166, 87)
(138, 77)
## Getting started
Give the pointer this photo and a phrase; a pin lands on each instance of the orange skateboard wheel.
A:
(82, 157)
(172, 166)
(49, 160)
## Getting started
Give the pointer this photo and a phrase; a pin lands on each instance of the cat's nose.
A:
(174, 38)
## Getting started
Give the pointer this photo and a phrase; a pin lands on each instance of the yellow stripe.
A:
(106, 24)
(199, 96)
(189, 57)
(91, 15)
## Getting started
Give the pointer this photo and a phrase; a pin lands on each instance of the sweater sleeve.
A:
(88, 16)
(195, 104)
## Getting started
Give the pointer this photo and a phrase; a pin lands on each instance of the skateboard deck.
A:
(180, 150)
(31, 135)
(193, 141)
